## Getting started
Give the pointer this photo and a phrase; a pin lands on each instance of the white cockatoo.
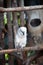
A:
(21, 37)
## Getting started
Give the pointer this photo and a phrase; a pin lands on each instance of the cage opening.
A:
(35, 22)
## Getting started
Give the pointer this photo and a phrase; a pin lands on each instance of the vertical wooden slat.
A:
(1, 23)
(9, 26)
(11, 61)
(1, 27)
(1, 15)
(21, 4)
(1, 20)
(15, 22)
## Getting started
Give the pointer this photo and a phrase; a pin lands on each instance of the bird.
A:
(21, 37)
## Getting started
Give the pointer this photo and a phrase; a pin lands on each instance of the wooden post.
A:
(9, 26)
(11, 61)
(1, 23)
(21, 4)
(15, 22)
(1, 15)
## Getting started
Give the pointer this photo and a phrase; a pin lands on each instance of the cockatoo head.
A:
(22, 31)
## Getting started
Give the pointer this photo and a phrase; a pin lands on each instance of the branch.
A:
(40, 47)
(34, 57)
(16, 9)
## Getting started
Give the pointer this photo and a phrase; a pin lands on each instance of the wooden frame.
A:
(16, 9)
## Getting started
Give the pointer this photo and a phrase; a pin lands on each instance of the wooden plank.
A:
(16, 9)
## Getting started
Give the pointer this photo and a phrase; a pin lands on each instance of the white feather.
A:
(20, 38)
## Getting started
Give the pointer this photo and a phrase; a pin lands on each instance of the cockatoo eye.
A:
(22, 32)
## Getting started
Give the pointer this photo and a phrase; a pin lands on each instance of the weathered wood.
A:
(9, 27)
(10, 44)
(21, 8)
(40, 47)
(21, 4)
(15, 22)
